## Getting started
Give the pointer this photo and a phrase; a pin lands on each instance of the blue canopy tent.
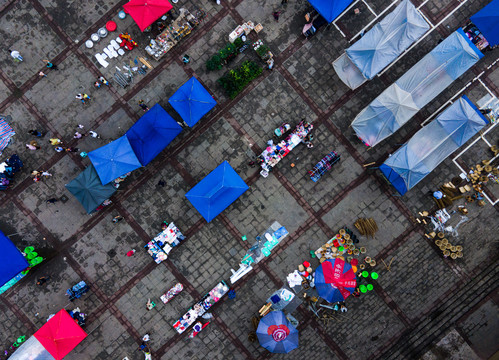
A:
(381, 45)
(416, 88)
(192, 101)
(152, 133)
(88, 189)
(432, 144)
(487, 21)
(114, 159)
(12, 261)
(330, 9)
(217, 191)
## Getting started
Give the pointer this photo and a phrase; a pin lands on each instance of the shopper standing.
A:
(50, 65)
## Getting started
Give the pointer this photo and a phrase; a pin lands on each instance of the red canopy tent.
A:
(60, 335)
(145, 12)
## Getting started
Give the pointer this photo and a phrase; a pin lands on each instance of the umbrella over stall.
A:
(145, 12)
(276, 334)
(335, 280)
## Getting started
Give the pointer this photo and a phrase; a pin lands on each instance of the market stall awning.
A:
(152, 133)
(432, 144)
(330, 9)
(6, 132)
(145, 12)
(416, 88)
(192, 101)
(382, 44)
(276, 334)
(335, 280)
(216, 191)
(487, 20)
(88, 189)
(12, 261)
(60, 335)
(114, 159)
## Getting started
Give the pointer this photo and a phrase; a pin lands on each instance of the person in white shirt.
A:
(16, 55)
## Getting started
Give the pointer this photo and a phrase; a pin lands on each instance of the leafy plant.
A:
(236, 80)
(262, 51)
(223, 56)
(238, 43)
(214, 63)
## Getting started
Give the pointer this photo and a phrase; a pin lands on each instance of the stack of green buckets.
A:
(365, 288)
(32, 256)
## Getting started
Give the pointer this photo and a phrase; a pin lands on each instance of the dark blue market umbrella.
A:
(276, 334)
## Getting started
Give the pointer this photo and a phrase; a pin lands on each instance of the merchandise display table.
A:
(162, 244)
(201, 307)
(261, 248)
(274, 153)
(172, 35)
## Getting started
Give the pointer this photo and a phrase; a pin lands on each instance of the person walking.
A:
(41, 281)
(59, 149)
(117, 219)
(16, 55)
(42, 74)
(94, 134)
(33, 145)
(46, 173)
(51, 65)
(78, 135)
(130, 253)
(97, 84)
(37, 133)
(55, 141)
(80, 97)
(71, 149)
(51, 201)
(143, 106)
(104, 81)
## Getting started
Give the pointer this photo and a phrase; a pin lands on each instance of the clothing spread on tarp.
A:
(324, 165)
(162, 244)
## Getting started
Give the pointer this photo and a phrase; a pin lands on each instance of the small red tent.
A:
(145, 12)
(60, 335)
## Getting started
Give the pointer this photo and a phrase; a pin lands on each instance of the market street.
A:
(432, 300)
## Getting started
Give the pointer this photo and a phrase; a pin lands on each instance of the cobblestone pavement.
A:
(424, 306)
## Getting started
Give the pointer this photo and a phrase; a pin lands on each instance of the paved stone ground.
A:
(425, 306)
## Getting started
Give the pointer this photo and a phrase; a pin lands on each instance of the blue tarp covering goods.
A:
(487, 21)
(432, 144)
(216, 191)
(416, 88)
(192, 101)
(381, 45)
(330, 9)
(88, 189)
(152, 133)
(114, 159)
(12, 262)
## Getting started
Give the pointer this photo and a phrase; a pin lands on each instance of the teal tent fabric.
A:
(88, 189)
